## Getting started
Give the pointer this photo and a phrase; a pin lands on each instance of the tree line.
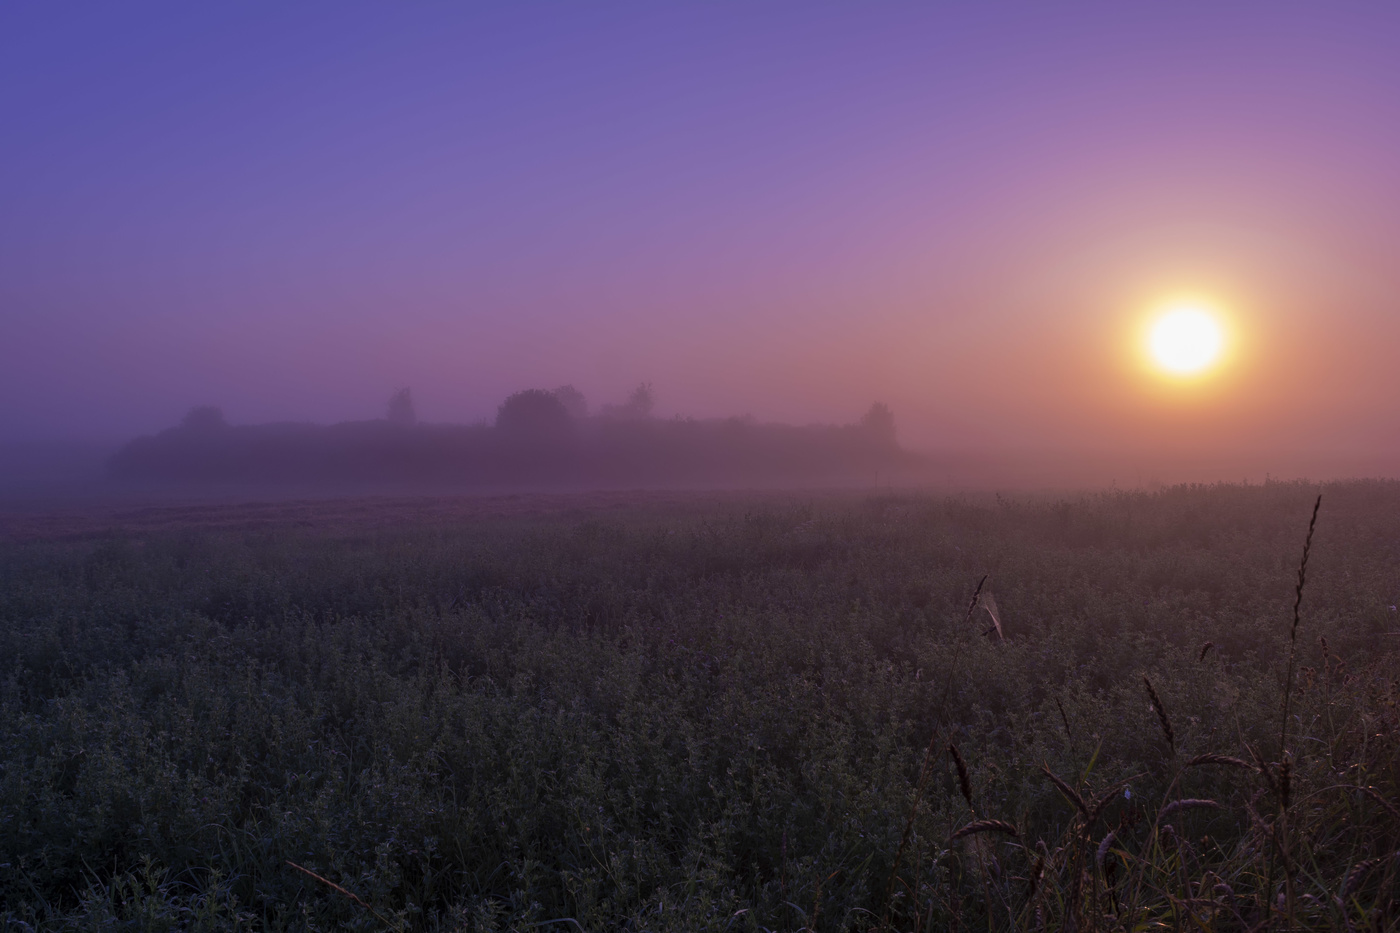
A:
(538, 436)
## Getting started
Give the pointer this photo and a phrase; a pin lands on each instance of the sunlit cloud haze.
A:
(789, 210)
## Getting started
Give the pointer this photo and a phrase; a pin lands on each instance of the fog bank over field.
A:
(543, 440)
(539, 437)
(553, 438)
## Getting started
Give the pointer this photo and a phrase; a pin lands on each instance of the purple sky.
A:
(790, 210)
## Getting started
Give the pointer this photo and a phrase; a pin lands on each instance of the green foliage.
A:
(723, 713)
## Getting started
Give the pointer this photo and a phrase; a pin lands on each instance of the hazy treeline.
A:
(538, 436)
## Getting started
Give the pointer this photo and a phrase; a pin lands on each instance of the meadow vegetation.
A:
(723, 713)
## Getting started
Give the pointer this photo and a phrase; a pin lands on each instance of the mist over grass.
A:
(700, 712)
(553, 440)
(538, 438)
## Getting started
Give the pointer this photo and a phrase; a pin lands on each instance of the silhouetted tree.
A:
(204, 418)
(401, 407)
(534, 414)
(638, 405)
(573, 401)
(641, 400)
(878, 423)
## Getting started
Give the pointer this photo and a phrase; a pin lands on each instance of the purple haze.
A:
(791, 210)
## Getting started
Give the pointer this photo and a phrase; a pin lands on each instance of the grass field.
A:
(690, 711)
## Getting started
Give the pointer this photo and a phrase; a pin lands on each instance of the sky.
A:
(788, 210)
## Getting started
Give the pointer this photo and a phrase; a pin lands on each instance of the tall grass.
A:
(1150, 871)
(737, 714)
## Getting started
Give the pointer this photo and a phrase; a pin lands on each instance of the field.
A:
(705, 712)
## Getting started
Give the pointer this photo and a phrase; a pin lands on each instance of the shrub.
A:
(533, 414)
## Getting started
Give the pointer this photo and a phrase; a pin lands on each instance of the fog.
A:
(773, 217)
(538, 438)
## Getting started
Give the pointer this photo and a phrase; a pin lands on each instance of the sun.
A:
(1186, 339)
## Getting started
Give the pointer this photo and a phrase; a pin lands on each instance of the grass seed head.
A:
(1226, 760)
(964, 784)
(1359, 871)
(1104, 848)
(986, 826)
(1070, 793)
(1378, 798)
(1189, 803)
(1161, 712)
(1064, 719)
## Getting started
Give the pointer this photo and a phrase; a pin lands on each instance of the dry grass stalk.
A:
(986, 826)
(1037, 870)
(1293, 632)
(1263, 768)
(1070, 793)
(1161, 712)
(1280, 835)
(1353, 878)
(1064, 719)
(335, 887)
(1261, 825)
(1188, 803)
(1227, 760)
(1376, 796)
(964, 784)
(1359, 871)
(976, 596)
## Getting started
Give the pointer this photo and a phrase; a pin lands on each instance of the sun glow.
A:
(1185, 339)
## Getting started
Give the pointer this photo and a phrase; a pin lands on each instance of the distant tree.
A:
(878, 423)
(573, 401)
(534, 414)
(638, 405)
(641, 401)
(401, 407)
(204, 418)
